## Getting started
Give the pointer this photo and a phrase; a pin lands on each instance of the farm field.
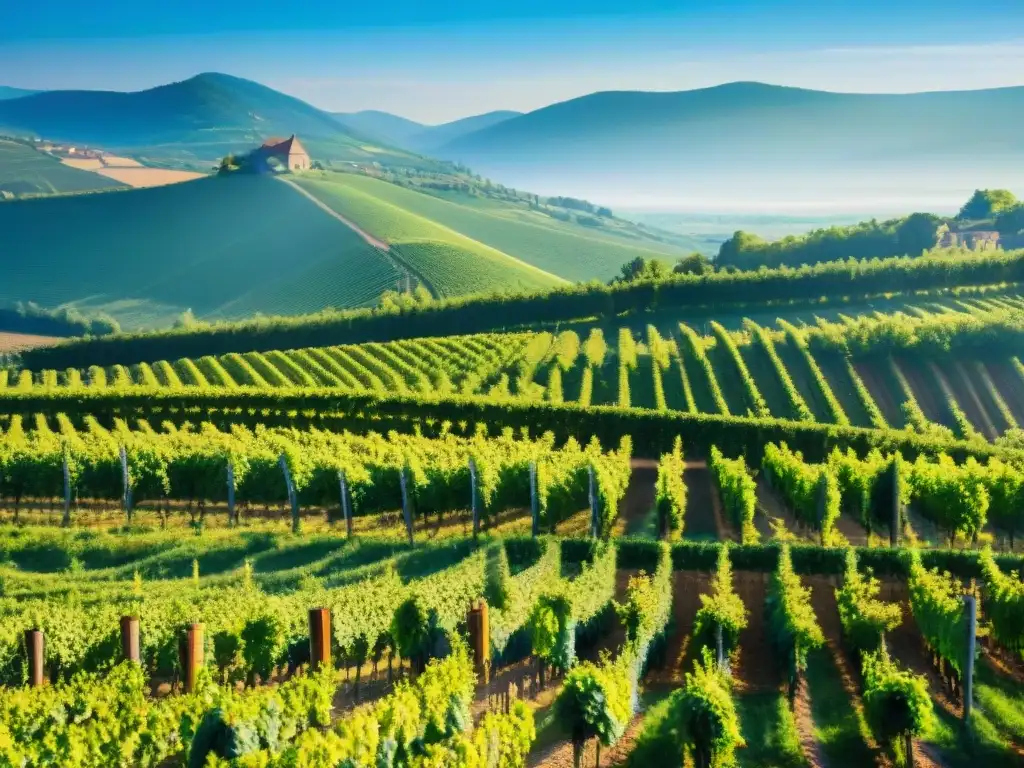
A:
(25, 171)
(222, 247)
(448, 262)
(16, 342)
(147, 177)
(568, 250)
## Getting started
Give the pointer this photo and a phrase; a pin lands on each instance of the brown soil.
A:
(970, 400)
(927, 392)
(756, 668)
(16, 342)
(1009, 385)
(771, 506)
(703, 508)
(977, 376)
(636, 505)
(888, 400)
(687, 587)
(148, 177)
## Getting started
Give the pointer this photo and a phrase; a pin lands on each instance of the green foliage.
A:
(812, 490)
(754, 400)
(594, 702)
(552, 631)
(864, 617)
(738, 492)
(936, 600)
(722, 608)
(793, 628)
(1004, 603)
(897, 704)
(642, 268)
(670, 491)
(986, 204)
(954, 497)
(706, 714)
(798, 406)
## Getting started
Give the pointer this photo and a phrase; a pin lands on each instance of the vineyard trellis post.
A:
(897, 512)
(472, 498)
(66, 521)
(130, 647)
(534, 505)
(34, 642)
(478, 622)
(193, 656)
(293, 497)
(232, 516)
(971, 607)
(126, 498)
(319, 638)
(719, 647)
(346, 509)
(592, 494)
(406, 510)
(822, 493)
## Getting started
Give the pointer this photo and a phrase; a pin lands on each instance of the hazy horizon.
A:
(437, 64)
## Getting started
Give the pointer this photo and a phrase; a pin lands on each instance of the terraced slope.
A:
(448, 262)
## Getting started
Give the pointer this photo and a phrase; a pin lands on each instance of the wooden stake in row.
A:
(479, 627)
(406, 506)
(293, 496)
(595, 519)
(346, 504)
(534, 500)
(232, 517)
(126, 497)
(472, 498)
(190, 647)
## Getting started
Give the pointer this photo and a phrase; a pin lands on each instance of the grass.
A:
(566, 249)
(26, 171)
(448, 262)
(770, 731)
(839, 727)
(223, 247)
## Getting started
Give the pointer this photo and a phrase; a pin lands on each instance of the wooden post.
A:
(971, 606)
(319, 637)
(592, 492)
(293, 497)
(534, 501)
(346, 509)
(480, 638)
(130, 639)
(231, 494)
(66, 521)
(718, 645)
(406, 510)
(127, 497)
(472, 498)
(34, 642)
(193, 660)
(897, 516)
(822, 491)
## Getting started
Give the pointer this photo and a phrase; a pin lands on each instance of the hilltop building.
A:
(975, 240)
(289, 153)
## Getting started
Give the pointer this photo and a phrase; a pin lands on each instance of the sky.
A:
(442, 60)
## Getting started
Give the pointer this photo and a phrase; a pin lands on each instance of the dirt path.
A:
(703, 518)
(972, 404)
(1008, 384)
(882, 395)
(634, 518)
(756, 668)
(771, 507)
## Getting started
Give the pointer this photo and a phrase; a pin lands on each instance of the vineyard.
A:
(734, 542)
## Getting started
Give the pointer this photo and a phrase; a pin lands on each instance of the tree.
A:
(642, 269)
(694, 264)
(986, 204)
(918, 233)
(1011, 220)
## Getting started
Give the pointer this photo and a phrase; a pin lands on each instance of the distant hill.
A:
(417, 137)
(200, 119)
(223, 247)
(25, 171)
(750, 138)
(6, 92)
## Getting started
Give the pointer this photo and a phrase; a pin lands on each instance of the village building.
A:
(974, 240)
(288, 153)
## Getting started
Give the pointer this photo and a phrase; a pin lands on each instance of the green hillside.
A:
(223, 247)
(198, 120)
(25, 171)
(566, 249)
(6, 92)
(447, 262)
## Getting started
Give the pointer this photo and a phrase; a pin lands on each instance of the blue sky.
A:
(436, 61)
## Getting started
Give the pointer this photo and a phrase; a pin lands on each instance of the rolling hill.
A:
(223, 247)
(566, 249)
(26, 171)
(417, 137)
(6, 92)
(751, 139)
(445, 260)
(197, 120)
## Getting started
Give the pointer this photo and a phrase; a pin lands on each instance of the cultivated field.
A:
(447, 262)
(224, 247)
(25, 171)
(15, 342)
(147, 177)
(567, 250)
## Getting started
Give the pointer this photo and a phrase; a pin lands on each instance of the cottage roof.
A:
(289, 146)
